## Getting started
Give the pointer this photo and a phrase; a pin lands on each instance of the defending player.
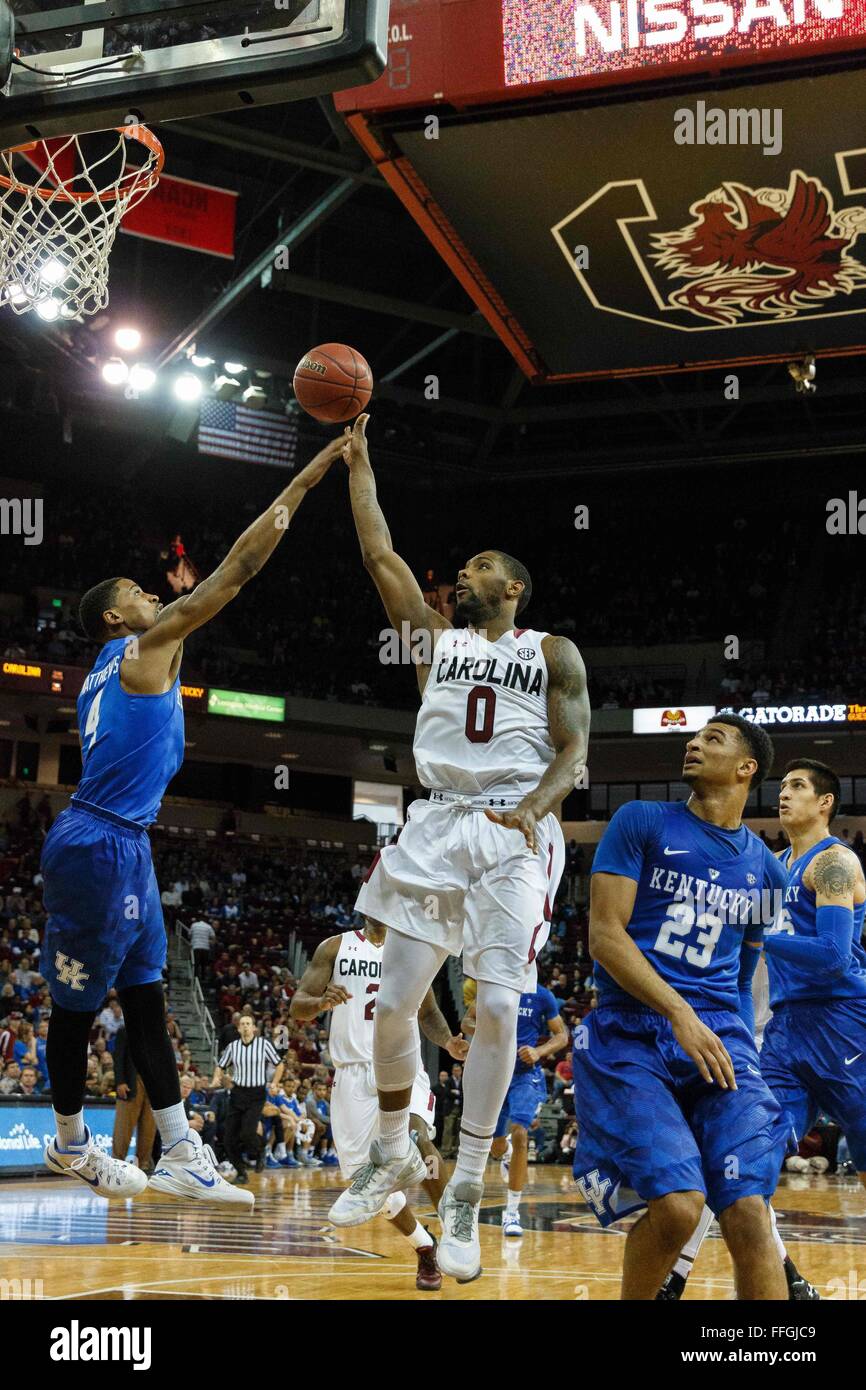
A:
(500, 739)
(105, 924)
(671, 1105)
(814, 1054)
(345, 976)
(541, 1032)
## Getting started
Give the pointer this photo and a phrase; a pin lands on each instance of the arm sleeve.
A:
(551, 1005)
(626, 839)
(749, 957)
(828, 952)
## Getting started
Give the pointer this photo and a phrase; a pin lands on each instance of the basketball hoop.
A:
(57, 228)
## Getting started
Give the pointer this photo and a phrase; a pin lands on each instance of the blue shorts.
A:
(105, 928)
(814, 1058)
(648, 1124)
(526, 1094)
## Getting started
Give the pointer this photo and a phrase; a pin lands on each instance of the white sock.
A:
(419, 1237)
(172, 1124)
(471, 1158)
(70, 1129)
(780, 1244)
(394, 1132)
(689, 1252)
(512, 1206)
(280, 1151)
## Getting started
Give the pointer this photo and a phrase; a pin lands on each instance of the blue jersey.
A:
(131, 745)
(791, 982)
(533, 1015)
(701, 890)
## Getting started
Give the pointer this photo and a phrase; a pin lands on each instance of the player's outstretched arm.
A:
(433, 1025)
(568, 714)
(315, 993)
(834, 876)
(397, 585)
(157, 647)
(612, 898)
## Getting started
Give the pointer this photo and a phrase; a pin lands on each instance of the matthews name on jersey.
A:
(105, 926)
(483, 724)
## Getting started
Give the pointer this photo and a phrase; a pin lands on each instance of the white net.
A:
(61, 203)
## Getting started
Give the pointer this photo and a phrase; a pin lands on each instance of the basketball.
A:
(333, 383)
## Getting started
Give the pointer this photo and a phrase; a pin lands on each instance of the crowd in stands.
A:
(244, 905)
(310, 625)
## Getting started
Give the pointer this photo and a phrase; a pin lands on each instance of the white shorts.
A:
(458, 880)
(355, 1112)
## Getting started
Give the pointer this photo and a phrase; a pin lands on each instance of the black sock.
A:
(144, 1016)
(66, 1057)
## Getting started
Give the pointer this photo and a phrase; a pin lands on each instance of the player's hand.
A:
(522, 819)
(318, 467)
(707, 1051)
(529, 1055)
(334, 995)
(122, 1091)
(354, 443)
(457, 1048)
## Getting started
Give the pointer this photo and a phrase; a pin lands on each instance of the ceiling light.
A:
(187, 387)
(378, 747)
(127, 339)
(141, 378)
(225, 388)
(254, 397)
(48, 310)
(52, 271)
(198, 361)
(234, 367)
(115, 372)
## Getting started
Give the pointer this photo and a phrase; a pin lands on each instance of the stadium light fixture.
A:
(115, 372)
(187, 388)
(127, 339)
(141, 378)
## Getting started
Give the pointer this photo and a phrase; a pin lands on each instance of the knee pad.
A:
(394, 1205)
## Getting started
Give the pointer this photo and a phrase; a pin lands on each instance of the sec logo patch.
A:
(525, 653)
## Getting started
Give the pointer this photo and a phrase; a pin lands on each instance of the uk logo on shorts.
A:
(593, 1191)
(70, 972)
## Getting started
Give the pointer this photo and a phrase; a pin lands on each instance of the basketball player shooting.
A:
(500, 740)
(105, 926)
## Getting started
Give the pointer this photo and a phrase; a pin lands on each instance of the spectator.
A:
(563, 1076)
(111, 1020)
(202, 936)
(133, 1113)
(28, 1084)
(10, 1079)
(248, 979)
(25, 1048)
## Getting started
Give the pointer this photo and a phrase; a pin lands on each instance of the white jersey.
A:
(358, 968)
(482, 726)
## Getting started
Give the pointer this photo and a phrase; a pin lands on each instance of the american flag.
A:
(234, 432)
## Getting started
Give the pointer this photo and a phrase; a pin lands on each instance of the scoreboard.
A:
(477, 52)
(635, 186)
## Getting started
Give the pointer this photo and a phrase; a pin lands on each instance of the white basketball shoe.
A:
(106, 1176)
(459, 1246)
(374, 1184)
(188, 1169)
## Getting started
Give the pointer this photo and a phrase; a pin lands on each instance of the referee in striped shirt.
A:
(249, 1057)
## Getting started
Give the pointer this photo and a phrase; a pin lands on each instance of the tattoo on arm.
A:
(568, 698)
(834, 873)
(432, 1022)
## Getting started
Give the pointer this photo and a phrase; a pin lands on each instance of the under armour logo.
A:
(593, 1191)
(69, 971)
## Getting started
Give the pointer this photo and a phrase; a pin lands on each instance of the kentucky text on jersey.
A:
(690, 921)
(515, 675)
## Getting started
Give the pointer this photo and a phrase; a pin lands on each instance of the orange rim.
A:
(133, 181)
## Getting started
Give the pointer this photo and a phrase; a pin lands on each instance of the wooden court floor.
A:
(72, 1245)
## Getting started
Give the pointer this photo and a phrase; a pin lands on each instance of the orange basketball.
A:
(333, 383)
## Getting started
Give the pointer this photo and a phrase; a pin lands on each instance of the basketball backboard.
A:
(89, 66)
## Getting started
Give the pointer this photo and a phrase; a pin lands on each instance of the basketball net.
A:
(58, 220)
